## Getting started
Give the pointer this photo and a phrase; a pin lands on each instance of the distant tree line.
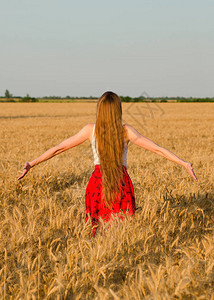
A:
(10, 98)
(68, 97)
(165, 99)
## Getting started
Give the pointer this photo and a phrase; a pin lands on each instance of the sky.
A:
(84, 48)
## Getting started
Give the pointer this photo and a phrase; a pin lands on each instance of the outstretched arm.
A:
(134, 136)
(71, 142)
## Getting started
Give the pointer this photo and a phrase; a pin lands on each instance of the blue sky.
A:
(83, 48)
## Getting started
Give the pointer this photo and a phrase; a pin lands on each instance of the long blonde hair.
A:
(109, 138)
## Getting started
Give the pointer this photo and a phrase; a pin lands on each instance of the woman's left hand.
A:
(189, 168)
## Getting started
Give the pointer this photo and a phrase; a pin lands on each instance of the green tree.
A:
(28, 98)
(8, 94)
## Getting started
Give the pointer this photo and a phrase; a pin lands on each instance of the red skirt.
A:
(96, 209)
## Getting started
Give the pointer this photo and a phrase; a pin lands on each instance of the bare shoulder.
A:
(87, 129)
(128, 127)
(90, 126)
(129, 131)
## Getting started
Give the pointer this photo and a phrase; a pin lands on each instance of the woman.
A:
(110, 190)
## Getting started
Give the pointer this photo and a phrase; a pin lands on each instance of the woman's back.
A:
(95, 150)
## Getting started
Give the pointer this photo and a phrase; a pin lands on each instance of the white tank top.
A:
(95, 151)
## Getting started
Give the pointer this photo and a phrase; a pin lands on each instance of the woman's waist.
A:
(97, 166)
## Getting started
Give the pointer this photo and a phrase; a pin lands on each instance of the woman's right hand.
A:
(26, 169)
(189, 168)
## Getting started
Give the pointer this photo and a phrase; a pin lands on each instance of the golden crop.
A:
(165, 252)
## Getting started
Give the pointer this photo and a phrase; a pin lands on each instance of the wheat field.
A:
(165, 252)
